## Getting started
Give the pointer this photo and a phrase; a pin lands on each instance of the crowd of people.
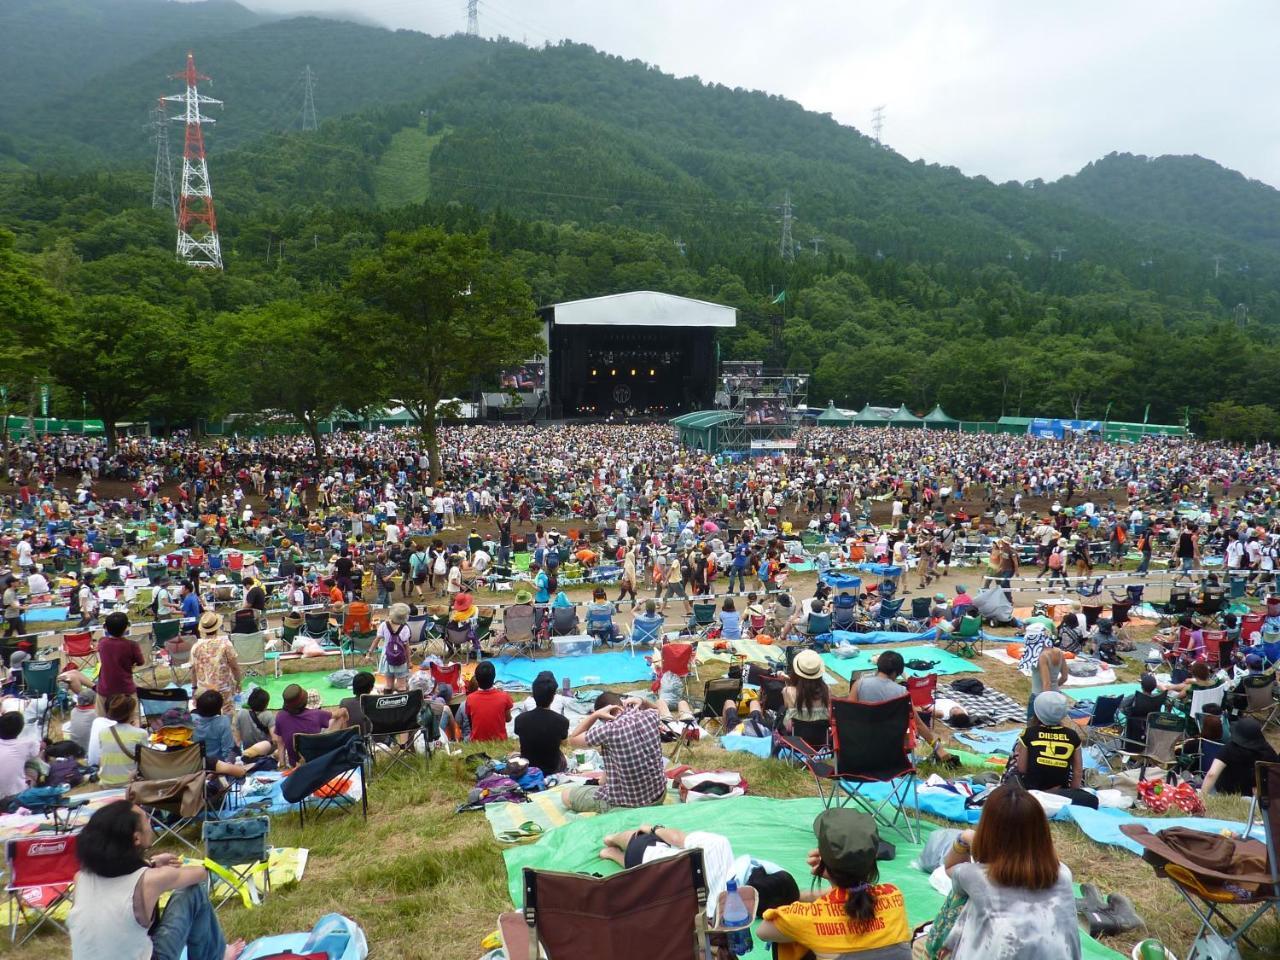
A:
(677, 525)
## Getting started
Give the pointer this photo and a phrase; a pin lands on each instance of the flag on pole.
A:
(1146, 413)
(781, 298)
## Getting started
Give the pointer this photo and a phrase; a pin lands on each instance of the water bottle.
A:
(564, 686)
(735, 915)
(1150, 949)
(329, 936)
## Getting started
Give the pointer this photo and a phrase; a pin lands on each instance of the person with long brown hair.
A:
(807, 699)
(1020, 902)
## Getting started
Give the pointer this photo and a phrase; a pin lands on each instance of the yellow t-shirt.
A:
(824, 927)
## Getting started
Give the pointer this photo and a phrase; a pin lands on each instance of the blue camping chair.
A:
(601, 626)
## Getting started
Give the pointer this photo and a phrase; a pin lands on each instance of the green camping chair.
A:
(965, 639)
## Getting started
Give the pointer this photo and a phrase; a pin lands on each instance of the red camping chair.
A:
(41, 872)
(676, 658)
(1250, 624)
(235, 561)
(79, 650)
(449, 674)
(923, 692)
(1217, 649)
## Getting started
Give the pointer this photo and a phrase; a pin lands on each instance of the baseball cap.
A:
(847, 841)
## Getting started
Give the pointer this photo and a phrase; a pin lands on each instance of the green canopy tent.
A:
(704, 429)
(937, 417)
(870, 415)
(902, 417)
(831, 417)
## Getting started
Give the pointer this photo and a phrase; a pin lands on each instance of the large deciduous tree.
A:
(440, 310)
(27, 310)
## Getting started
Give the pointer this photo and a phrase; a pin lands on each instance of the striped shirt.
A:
(115, 766)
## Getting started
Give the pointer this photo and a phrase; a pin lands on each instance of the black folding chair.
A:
(393, 730)
(869, 745)
(155, 702)
(717, 693)
(564, 621)
(330, 763)
(1104, 731)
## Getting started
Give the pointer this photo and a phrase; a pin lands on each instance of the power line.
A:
(309, 99)
(162, 179)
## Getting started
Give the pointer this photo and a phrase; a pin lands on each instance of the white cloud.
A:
(1006, 88)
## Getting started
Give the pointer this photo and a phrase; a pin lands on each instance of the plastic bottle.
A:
(735, 915)
(564, 686)
(329, 936)
(1150, 949)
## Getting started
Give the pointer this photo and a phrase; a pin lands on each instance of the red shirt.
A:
(488, 710)
(117, 656)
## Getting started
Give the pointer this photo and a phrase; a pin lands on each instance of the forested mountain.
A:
(597, 174)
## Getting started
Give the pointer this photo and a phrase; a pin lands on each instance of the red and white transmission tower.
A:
(197, 226)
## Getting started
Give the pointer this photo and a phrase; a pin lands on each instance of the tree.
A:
(122, 354)
(442, 310)
(284, 357)
(27, 307)
(1228, 420)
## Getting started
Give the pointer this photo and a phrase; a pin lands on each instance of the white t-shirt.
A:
(717, 859)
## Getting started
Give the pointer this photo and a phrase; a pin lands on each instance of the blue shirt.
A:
(540, 584)
(740, 554)
(191, 607)
(215, 734)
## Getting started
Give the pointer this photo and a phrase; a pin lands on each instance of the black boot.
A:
(1090, 900)
(1121, 908)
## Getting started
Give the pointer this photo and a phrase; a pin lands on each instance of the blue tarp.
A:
(841, 581)
(596, 669)
(944, 662)
(45, 614)
(1103, 825)
(883, 636)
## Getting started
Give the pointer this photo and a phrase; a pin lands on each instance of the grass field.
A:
(403, 173)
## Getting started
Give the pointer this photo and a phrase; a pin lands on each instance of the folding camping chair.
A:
(656, 911)
(357, 646)
(963, 640)
(679, 658)
(393, 730)
(458, 638)
(564, 621)
(315, 625)
(703, 619)
(646, 630)
(330, 763)
(1251, 878)
(251, 650)
(155, 702)
(809, 742)
(1260, 698)
(816, 625)
(869, 745)
(1159, 746)
(237, 853)
(448, 674)
(358, 618)
(923, 692)
(162, 631)
(716, 694)
(887, 610)
(79, 650)
(518, 634)
(163, 769)
(843, 615)
(41, 872)
(40, 679)
(600, 625)
(1103, 730)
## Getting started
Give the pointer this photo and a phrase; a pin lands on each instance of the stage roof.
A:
(643, 308)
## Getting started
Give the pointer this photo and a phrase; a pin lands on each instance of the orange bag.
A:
(764, 639)
(1014, 650)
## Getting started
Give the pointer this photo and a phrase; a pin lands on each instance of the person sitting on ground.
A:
(730, 621)
(628, 734)
(361, 684)
(80, 723)
(1232, 771)
(1047, 754)
(647, 843)
(296, 718)
(254, 722)
(885, 684)
(118, 891)
(807, 700)
(857, 914)
(542, 730)
(488, 709)
(1017, 895)
(961, 603)
(213, 729)
(113, 742)
(1040, 616)
(20, 764)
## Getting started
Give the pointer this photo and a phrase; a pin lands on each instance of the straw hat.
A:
(210, 624)
(807, 665)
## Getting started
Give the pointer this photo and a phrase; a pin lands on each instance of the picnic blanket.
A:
(944, 662)
(883, 636)
(309, 680)
(45, 614)
(545, 808)
(1106, 690)
(746, 647)
(595, 669)
(1000, 707)
(1103, 825)
(1105, 674)
(778, 830)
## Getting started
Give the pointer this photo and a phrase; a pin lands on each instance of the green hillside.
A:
(403, 173)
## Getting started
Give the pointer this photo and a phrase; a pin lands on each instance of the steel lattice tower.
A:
(786, 245)
(162, 181)
(473, 18)
(308, 100)
(197, 225)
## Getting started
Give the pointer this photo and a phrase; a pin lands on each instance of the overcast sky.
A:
(1012, 89)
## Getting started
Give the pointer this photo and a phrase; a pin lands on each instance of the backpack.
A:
(1055, 560)
(396, 653)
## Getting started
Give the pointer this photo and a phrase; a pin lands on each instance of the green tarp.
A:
(777, 830)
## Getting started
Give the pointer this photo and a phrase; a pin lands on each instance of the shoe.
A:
(1090, 900)
(1121, 908)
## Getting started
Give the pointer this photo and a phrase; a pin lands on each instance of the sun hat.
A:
(399, 614)
(1247, 733)
(807, 664)
(463, 606)
(210, 624)
(847, 841)
(1051, 708)
(524, 596)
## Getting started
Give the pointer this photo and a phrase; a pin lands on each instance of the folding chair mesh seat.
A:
(166, 766)
(887, 610)
(923, 691)
(809, 742)
(330, 762)
(965, 638)
(40, 680)
(564, 621)
(1164, 732)
(315, 625)
(79, 649)
(816, 626)
(162, 631)
(656, 911)
(458, 639)
(237, 853)
(601, 626)
(704, 617)
(518, 631)
(38, 867)
(869, 745)
(393, 727)
(717, 693)
(843, 616)
(646, 630)
(1246, 875)
(1260, 698)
